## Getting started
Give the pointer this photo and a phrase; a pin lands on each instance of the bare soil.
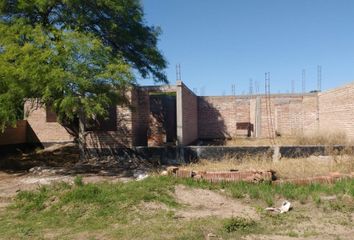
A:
(200, 203)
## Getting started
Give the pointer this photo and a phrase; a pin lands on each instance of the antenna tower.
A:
(233, 90)
(178, 72)
(251, 86)
(319, 78)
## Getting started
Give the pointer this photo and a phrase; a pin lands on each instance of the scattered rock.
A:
(212, 236)
(172, 170)
(328, 198)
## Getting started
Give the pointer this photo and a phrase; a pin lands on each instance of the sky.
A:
(220, 43)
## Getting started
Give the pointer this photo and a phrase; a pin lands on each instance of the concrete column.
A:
(179, 113)
(253, 115)
(258, 117)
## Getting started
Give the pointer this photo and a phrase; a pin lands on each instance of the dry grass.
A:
(285, 168)
(330, 139)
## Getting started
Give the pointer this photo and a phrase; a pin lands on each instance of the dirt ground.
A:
(201, 203)
(305, 221)
(12, 183)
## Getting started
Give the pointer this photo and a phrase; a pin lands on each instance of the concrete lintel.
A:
(161, 88)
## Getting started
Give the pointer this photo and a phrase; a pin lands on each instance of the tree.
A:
(75, 56)
(117, 23)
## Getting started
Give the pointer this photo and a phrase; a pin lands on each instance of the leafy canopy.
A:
(75, 56)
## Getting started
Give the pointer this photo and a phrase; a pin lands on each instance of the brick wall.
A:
(187, 115)
(217, 116)
(133, 122)
(14, 135)
(337, 110)
(140, 116)
(43, 131)
(208, 117)
(111, 139)
(310, 114)
(123, 136)
(285, 114)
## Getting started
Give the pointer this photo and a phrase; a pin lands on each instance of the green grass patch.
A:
(113, 208)
(239, 224)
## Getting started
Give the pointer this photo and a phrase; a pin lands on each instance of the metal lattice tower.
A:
(319, 78)
(251, 86)
(233, 90)
(178, 72)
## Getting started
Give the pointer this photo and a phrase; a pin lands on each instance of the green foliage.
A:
(78, 181)
(239, 224)
(74, 56)
(32, 201)
(118, 24)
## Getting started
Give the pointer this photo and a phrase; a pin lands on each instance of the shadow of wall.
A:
(211, 118)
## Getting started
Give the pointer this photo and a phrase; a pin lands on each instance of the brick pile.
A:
(254, 176)
(224, 176)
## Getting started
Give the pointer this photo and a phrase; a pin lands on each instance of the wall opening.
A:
(163, 119)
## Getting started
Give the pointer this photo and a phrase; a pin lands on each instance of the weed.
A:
(78, 181)
(293, 234)
(238, 224)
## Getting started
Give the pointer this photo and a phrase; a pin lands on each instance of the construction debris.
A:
(224, 176)
(285, 207)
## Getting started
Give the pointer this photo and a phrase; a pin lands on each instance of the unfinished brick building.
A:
(174, 115)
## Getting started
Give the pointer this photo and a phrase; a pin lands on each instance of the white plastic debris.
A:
(164, 173)
(285, 207)
(142, 176)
